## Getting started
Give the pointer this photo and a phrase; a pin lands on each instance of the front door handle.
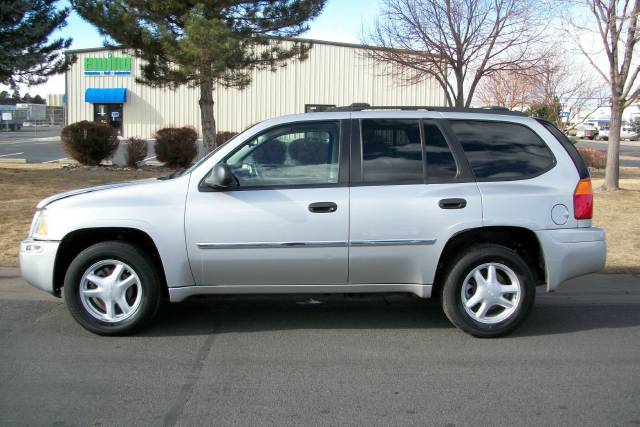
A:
(452, 203)
(323, 207)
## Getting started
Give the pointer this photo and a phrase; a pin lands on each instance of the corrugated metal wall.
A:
(333, 74)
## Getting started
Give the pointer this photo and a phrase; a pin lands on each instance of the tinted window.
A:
(391, 151)
(578, 161)
(293, 155)
(441, 166)
(502, 150)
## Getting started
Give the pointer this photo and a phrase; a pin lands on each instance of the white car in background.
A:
(626, 133)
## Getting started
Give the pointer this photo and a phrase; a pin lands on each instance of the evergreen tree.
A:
(201, 44)
(38, 100)
(16, 98)
(26, 54)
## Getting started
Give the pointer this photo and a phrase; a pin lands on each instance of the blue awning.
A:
(117, 95)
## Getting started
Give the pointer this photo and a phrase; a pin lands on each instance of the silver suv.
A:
(477, 207)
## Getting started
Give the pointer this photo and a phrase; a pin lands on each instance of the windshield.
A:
(191, 168)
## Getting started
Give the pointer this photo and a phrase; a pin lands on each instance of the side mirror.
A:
(221, 177)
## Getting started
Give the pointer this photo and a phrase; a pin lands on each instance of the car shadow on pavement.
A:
(205, 315)
(272, 313)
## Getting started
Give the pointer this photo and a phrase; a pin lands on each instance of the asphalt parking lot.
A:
(372, 360)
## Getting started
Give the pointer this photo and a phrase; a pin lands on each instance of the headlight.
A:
(40, 227)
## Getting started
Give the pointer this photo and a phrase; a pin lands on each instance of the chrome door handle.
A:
(323, 207)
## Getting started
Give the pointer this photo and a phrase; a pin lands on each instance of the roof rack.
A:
(361, 106)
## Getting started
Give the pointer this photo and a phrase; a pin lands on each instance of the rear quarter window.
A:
(502, 151)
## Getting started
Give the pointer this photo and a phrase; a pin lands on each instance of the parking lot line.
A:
(56, 160)
(11, 154)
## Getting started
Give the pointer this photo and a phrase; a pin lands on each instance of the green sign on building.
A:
(107, 65)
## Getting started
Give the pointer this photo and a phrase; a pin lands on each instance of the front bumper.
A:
(572, 252)
(37, 259)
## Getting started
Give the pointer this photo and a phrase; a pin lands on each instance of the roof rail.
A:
(361, 106)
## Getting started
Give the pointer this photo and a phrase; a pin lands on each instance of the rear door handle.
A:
(452, 203)
(323, 207)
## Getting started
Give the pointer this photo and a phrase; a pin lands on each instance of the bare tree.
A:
(507, 88)
(552, 85)
(463, 39)
(556, 81)
(616, 23)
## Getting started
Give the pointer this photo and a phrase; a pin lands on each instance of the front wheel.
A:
(112, 288)
(489, 291)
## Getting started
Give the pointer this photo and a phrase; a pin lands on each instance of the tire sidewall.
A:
(136, 259)
(452, 300)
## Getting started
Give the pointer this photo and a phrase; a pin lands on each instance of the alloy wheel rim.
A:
(491, 293)
(110, 291)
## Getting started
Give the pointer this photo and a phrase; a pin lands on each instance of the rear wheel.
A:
(488, 291)
(112, 288)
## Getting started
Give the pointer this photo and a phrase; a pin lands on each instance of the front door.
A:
(286, 222)
(109, 114)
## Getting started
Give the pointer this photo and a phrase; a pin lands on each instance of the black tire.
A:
(463, 265)
(138, 260)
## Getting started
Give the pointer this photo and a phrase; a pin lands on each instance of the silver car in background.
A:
(477, 207)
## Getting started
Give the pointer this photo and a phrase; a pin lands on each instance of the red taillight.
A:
(583, 200)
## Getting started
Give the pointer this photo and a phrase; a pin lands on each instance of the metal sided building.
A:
(101, 85)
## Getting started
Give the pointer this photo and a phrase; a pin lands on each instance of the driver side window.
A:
(300, 154)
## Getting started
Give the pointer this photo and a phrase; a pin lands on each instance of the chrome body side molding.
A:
(316, 244)
(181, 293)
(392, 242)
(275, 245)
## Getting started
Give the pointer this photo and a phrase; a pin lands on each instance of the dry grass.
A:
(22, 187)
(618, 213)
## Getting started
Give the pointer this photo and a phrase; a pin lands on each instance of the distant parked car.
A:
(603, 134)
(587, 132)
(627, 132)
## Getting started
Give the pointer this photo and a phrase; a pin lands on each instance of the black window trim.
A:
(343, 160)
(554, 162)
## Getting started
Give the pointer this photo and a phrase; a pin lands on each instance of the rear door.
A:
(410, 191)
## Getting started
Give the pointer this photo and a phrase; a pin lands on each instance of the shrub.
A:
(89, 142)
(136, 152)
(594, 158)
(176, 147)
(224, 136)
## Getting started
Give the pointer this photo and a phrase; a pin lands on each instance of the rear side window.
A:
(441, 166)
(578, 161)
(391, 152)
(502, 151)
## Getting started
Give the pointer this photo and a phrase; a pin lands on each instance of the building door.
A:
(110, 114)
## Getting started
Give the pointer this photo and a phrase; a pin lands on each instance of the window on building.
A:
(318, 108)
(293, 155)
(391, 152)
(441, 165)
(498, 150)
